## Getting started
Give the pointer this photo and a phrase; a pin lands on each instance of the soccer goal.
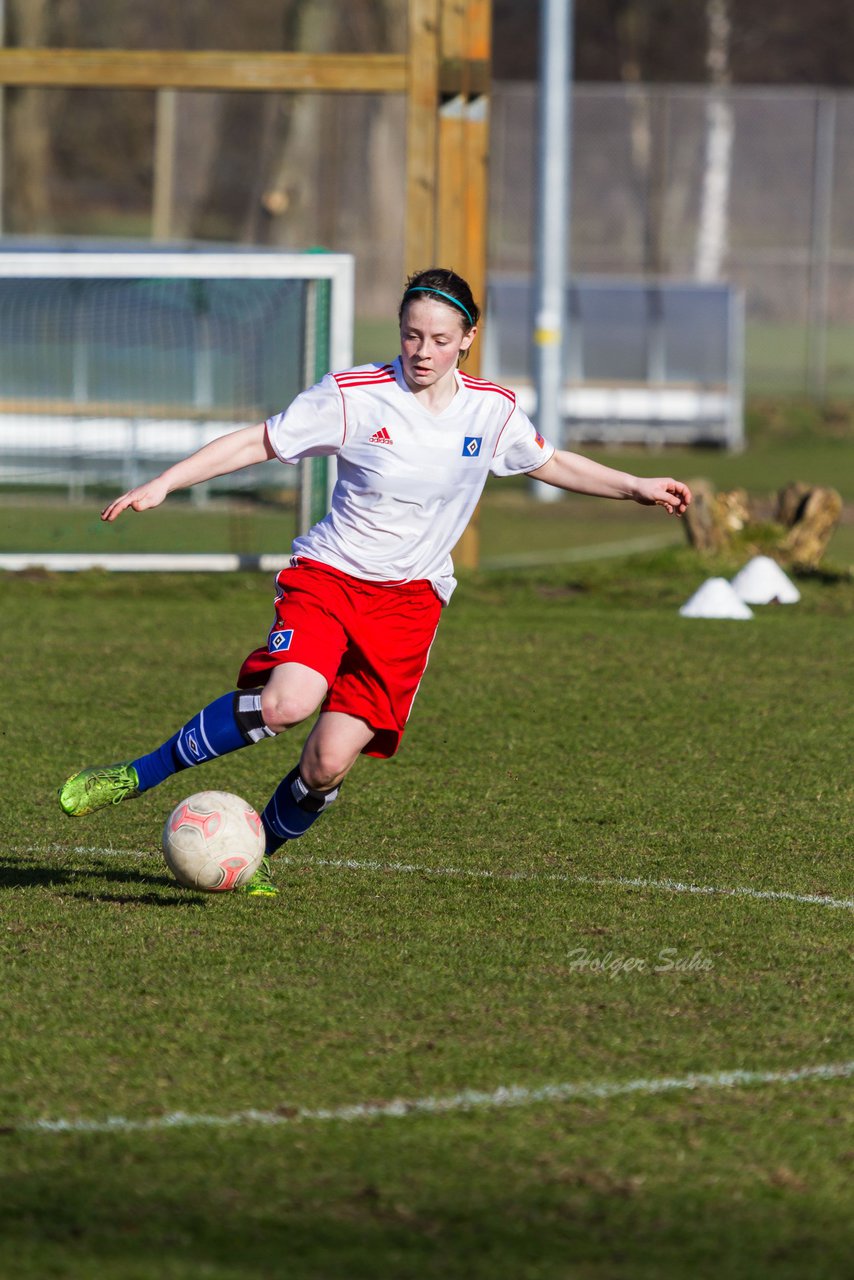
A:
(114, 364)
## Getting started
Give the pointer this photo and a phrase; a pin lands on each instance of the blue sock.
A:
(225, 725)
(291, 810)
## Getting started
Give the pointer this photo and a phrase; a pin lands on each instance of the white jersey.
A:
(408, 479)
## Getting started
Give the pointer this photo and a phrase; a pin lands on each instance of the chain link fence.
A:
(298, 170)
(638, 169)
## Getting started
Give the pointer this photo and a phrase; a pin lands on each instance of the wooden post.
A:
(165, 120)
(448, 137)
(422, 105)
(451, 155)
(462, 195)
(474, 211)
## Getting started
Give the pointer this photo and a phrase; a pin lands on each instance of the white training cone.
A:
(715, 599)
(762, 581)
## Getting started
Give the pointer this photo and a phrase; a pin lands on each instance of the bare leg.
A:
(332, 748)
(292, 693)
(330, 751)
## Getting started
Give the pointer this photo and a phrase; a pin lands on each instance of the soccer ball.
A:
(213, 841)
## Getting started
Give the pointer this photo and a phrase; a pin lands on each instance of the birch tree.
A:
(713, 224)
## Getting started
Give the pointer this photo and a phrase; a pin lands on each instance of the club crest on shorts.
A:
(280, 641)
(471, 446)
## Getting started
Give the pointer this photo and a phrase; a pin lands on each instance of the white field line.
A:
(576, 555)
(624, 882)
(482, 873)
(466, 1100)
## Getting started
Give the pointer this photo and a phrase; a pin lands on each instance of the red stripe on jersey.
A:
(481, 384)
(364, 379)
(348, 378)
(359, 378)
(365, 372)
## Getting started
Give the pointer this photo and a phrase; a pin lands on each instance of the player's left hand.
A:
(673, 495)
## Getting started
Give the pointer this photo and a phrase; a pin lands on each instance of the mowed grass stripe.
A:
(466, 1100)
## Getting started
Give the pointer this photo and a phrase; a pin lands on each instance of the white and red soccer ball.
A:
(213, 841)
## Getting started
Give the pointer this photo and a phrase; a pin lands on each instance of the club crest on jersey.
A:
(280, 641)
(471, 446)
(381, 437)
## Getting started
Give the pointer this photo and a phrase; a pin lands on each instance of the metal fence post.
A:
(820, 235)
(556, 19)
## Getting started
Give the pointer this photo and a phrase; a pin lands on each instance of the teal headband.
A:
(428, 288)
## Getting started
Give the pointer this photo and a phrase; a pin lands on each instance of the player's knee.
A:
(324, 768)
(283, 709)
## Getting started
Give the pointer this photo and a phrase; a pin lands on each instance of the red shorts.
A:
(369, 640)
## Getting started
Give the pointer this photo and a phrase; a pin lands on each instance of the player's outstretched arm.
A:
(220, 457)
(577, 474)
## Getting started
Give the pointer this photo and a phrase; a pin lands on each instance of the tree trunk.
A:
(704, 520)
(26, 180)
(331, 168)
(713, 229)
(283, 211)
(815, 519)
(642, 152)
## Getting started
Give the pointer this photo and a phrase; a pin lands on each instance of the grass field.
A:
(491, 1024)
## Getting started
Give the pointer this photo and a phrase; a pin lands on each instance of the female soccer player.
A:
(357, 608)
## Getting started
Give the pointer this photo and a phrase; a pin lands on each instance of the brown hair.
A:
(444, 286)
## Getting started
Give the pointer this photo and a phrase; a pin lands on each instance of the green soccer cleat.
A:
(261, 885)
(97, 787)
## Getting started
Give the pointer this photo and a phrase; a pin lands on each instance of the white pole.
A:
(553, 186)
(820, 244)
(2, 125)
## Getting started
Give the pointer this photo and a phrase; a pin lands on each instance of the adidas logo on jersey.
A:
(381, 437)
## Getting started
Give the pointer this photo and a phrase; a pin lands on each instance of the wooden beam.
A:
(469, 76)
(453, 33)
(479, 31)
(173, 69)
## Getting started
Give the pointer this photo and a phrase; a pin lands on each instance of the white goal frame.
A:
(78, 262)
(239, 264)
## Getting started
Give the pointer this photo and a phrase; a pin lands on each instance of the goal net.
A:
(115, 364)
